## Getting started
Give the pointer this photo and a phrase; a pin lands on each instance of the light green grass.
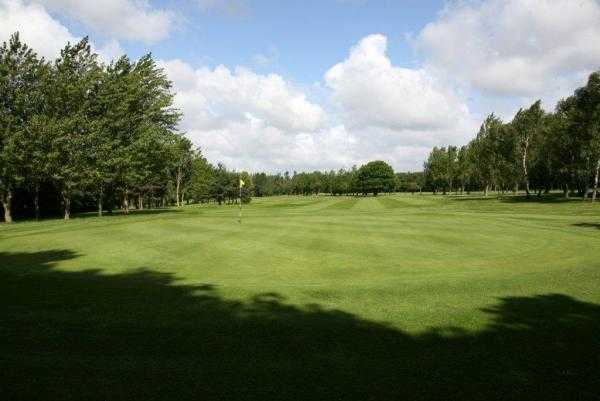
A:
(440, 259)
(412, 264)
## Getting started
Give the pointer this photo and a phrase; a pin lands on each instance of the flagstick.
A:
(240, 215)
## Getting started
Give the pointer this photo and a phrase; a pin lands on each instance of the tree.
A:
(260, 184)
(464, 167)
(75, 74)
(527, 124)
(436, 169)
(201, 177)
(485, 157)
(19, 77)
(375, 177)
(451, 166)
(181, 159)
(587, 121)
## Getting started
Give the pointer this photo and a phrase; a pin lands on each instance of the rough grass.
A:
(397, 297)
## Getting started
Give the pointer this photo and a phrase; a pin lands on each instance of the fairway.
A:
(310, 297)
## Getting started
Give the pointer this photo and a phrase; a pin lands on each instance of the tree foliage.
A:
(536, 150)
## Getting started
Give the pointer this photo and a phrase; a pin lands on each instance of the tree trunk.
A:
(125, 202)
(178, 185)
(67, 204)
(36, 201)
(596, 181)
(485, 192)
(566, 191)
(100, 196)
(524, 165)
(140, 202)
(6, 202)
(585, 192)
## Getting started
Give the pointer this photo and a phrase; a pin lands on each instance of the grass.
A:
(394, 297)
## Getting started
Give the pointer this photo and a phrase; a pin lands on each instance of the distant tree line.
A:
(535, 152)
(371, 178)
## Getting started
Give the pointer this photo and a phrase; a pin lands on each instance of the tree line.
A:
(78, 134)
(536, 151)
(371, 178)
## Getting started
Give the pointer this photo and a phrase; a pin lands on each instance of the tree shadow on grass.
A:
(133, 212)
(588, 225)
(546, 198)
(509, 198)
(141, 335)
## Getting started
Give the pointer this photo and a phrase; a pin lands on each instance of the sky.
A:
(274, 85)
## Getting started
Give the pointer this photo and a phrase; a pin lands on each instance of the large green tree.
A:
(375, 177)
(485, 156)
(586, 119)
(528, 124)
(19, 79)
(76, 73)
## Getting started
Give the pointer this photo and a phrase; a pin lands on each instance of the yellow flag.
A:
(242, 183)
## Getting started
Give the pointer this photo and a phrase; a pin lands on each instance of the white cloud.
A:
(39, 30)
(529, 48)
(254, 145)
(248, 120)
(132, 20)
(36, 27)
(110, 50)
(370, 91)
(217, 96)
(263, 122)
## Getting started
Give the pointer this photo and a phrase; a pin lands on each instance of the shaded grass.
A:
(588, 225)
(142, 335)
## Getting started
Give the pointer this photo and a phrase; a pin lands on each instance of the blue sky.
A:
(301, 38)
(301, 85)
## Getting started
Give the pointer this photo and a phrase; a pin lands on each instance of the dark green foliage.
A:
(376, 177)
(90, 135)
(410, 182)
